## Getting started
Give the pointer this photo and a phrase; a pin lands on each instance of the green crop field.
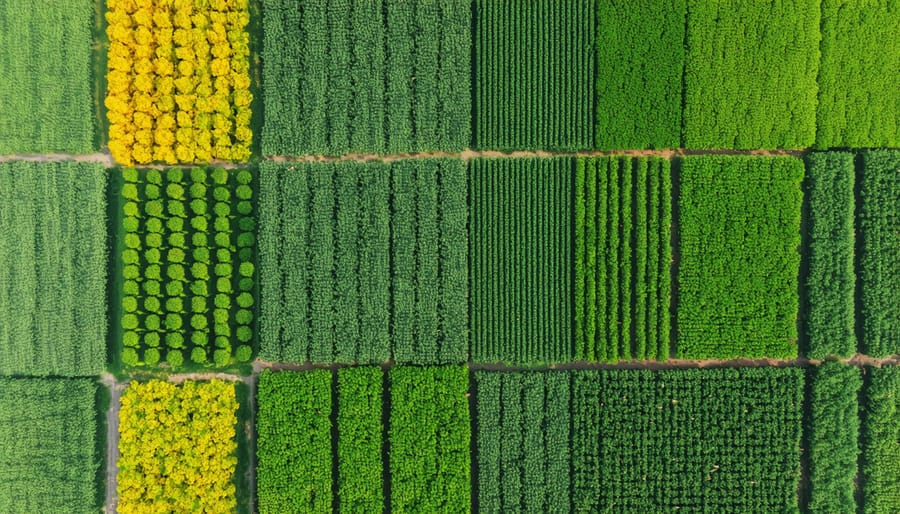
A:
(880, 453)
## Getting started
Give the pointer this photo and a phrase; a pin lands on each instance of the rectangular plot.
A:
(880, 432)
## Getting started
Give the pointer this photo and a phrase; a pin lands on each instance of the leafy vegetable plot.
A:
(623, 258)
(48, 459)
(719, 440)
(53, 249)
(859, 98)
(881, 431)
(534, 74)
(739, 224)
(360, 442)
(880, 261)
(522, 442)
(750, 74)
(45, 95)
(521, 255)
(177, 447)
(366, 76)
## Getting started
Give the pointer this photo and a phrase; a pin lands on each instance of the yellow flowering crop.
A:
(177, 447)
(178, 81)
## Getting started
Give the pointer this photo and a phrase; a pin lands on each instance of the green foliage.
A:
(623, 280)
(660, 441)
(359, 443)
(750, 74)
(521, 255)
(534, 74)
(53, 250)
(366, 77)
(130, 356)
(151, 356)
(46, 96)
(294, 442)
(522, 442)
(198, 355)
(859, 101)
(429, 438)
(175, 358)
(243, 353)
(48, 457)
(640, 62)
(881, 453)
(878, 264)
(833, 437)
(739, 240)
(831, 281)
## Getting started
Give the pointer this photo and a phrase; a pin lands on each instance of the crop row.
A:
(364, 262)
(188, 269)
(623, 253)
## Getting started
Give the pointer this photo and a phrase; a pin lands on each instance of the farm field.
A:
(291, 256)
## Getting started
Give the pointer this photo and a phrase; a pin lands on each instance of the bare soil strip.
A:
(112, 439)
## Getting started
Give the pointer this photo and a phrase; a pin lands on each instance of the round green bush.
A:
(198, 174)
(153, 256)
(175, 288)
(198, 355)
(174, 175)
(175, 358)
(174, 340)
(151, 304)
(244, 353)
(198, 322)
(130, 224)
(199, 288)
(220, 176)
(245, 254)
(154, 177)
(243, 192)
(220, 316)
(175, 272)
(222, 210)
(154, 240)
(198, 239)
(129, 304)
(132, 241)
(154, 208)
(222, 225)
(131, 256)
(198, 191)
(200, 271)
(223, 285)
(151, 339)
(243, 317)
(221, 357)
(245, 300)
(221, 329)
(222, 301)
(154, 226)
(176, 208)
(200, 338)
(152, 322)
(151, 356)
(223, 342)
(198, 304)
(246, 239)
(175, 191)
(244, 334)
(223, 255)
(130, 192)
(175, 305)
(244, 207)
(198, 207)
(246, 269)
(246, 284)
(175, 255)
(129, 322)
(247, 223)
(244, 177)
(224, 270)
(151, 287)
(173, 322)
(199, 224)
(201, 255)
(131, 339)
(130, 174)
(153, 272)
(131, 209)
(176, 240)
(131, 287)
(129, 357)
(175, 224)
(221, 194)
(152, 192)
(131, 272)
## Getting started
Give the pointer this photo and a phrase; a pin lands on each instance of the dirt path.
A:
(112, 439)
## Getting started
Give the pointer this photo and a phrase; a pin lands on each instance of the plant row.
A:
(188, 271)
(178, 81)
(366, 77)
(364, 262)
(310, 423)
(623, 253)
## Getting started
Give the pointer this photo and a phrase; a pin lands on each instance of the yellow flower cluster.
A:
(178, 81)
(177, 447)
